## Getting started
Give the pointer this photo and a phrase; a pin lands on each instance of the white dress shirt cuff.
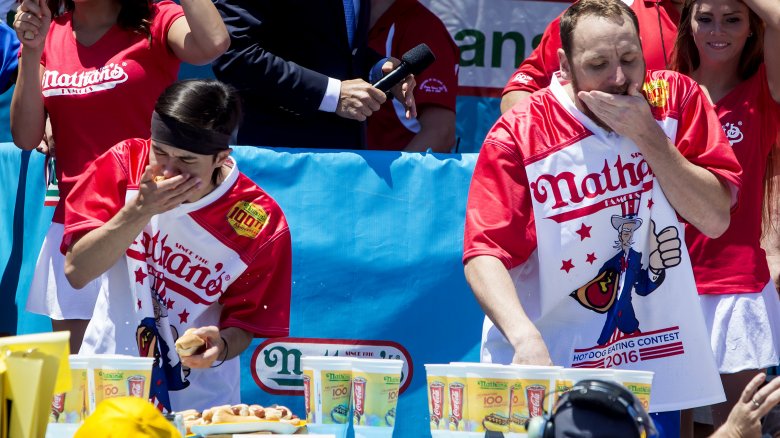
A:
(331, 98)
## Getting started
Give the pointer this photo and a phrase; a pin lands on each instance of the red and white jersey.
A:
(751, 120)
(657, 43)
(396, 32)
(101, 94)
(573, 212)
(224, 260)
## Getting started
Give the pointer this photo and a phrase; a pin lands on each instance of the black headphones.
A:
(603, 396)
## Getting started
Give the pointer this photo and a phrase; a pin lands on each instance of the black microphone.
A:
(413, 62)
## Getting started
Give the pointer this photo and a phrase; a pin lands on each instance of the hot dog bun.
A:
(189, 344)
(227, 417)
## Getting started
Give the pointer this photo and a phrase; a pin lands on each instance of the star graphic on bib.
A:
(169, 304)
(183, 316)
(591, 258)
(140, 276)
(584, 232)
(650, 203)
(567, 265)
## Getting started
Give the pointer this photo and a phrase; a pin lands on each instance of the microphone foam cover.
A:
(418, 58)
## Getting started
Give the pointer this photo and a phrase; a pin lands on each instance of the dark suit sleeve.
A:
(250, 67)
(10, 56)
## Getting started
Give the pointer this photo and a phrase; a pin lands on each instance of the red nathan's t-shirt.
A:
(397, 31)
(224, 260)
(99, 95)
(499, 216)
(550, 194)
(114, 178)
(735, 261)
(536, 70)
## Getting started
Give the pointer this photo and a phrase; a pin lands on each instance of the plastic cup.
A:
(638, 382)
(489, 388)
(72, 407)
(375, 385)
(438, 399)
(457, 396)
(567, 377)
(327, 389)
(110, 376)
(531, 387)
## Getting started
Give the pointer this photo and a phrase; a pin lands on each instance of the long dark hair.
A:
(135, 15)
(685, 57)
(203, 103)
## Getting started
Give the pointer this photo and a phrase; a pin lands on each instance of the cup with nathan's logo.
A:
(567, 377)
(531, 390)
(116, 375)
(478, 395)
(375, 387)
(438, 399)
(72, 406)
(638, 382)
(327, 384)
(458, 395)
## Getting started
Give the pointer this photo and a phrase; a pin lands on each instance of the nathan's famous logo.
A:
(433, 85)
(568, 187)
(657, 92)
(391, 380)
(488, 384)
(107, 375)
(338, 377)
(522, 78)
(276, 363)
(247, 219)
(733, 133)
(109, 76)
(181, 263)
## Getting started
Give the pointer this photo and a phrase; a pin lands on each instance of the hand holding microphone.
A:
(413, 62)
(359, 99)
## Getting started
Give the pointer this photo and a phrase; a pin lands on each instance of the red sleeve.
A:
(438, 84)
(167, 12)
(259, 300)
(97, 196)
(536, 71)
(499, 213)
(701, 140)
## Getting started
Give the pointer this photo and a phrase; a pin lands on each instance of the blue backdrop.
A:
(377, 241)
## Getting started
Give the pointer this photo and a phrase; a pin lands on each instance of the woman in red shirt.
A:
(96, 67)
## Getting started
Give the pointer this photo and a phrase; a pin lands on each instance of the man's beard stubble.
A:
(622, 90)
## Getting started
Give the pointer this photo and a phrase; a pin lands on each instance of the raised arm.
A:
(200, 36)
(92, 254)
(769, 11)
(697, 195)
(27, 111)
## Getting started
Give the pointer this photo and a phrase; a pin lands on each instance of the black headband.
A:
(180, 135)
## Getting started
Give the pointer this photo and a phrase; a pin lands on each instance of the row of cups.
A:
(468, 399)
(96, 378)
(335, 386)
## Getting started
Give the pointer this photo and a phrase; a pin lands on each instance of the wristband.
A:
(226, 353)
